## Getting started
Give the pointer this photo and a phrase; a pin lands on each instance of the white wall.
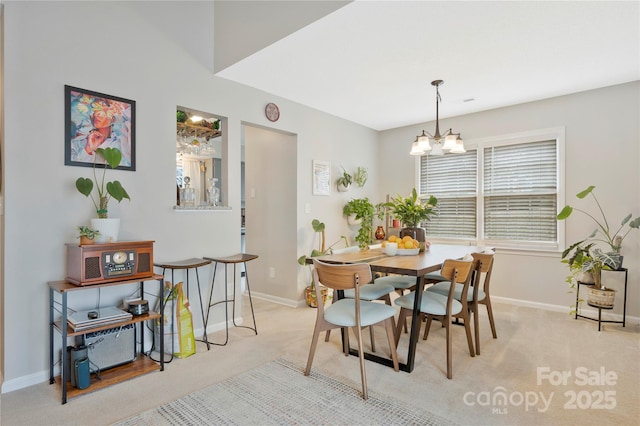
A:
(602, 149)
(121, 49)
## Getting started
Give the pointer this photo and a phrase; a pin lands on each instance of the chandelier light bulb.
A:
(459, 146)
(415, 149)
(449, 141)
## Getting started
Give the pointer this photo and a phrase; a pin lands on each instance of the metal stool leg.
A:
(246, 276)
(254, 328)
(205, 339)
(225, 301)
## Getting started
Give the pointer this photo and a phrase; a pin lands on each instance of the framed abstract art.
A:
(95, 120)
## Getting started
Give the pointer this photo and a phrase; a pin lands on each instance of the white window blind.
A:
(452, 180)
(511, 199)
(520, 192)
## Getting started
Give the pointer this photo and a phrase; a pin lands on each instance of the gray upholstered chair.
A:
(355, 313)
(370, 292)
(442, 308)
(478, 295)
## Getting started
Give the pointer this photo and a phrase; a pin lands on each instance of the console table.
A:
(141, 365)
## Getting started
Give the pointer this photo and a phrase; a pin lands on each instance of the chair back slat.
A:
(451, 265)
(486, 268)
(487, 261)
(342, 277)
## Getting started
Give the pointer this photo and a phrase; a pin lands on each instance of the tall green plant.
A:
(603, 233)
(318, 227)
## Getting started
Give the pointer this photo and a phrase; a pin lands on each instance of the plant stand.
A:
(600, 308)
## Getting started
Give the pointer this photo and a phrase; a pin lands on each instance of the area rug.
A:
(278, 393)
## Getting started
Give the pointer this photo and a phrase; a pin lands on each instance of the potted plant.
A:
(360, 176)
(362, 210)
(105, 191)
(87, 235)
(344, 181)
(310, 290)
(603, 233)
(411, 211)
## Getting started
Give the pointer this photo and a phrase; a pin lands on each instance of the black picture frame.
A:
(97, 120)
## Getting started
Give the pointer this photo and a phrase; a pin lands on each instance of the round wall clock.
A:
(272, 112)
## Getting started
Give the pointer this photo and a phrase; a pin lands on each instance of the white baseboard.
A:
(279, 300)
(591, 312)
(25, 381)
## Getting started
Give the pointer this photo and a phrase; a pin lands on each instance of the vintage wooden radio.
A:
(109, 262)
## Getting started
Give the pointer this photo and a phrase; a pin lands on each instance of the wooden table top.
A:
(413, 265)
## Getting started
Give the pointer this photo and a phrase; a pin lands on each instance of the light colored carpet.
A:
(278, 393)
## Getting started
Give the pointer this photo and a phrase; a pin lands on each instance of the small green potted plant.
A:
(344, 181)
(360, 176)
(310, 290)
(363, 212)
(87, 235)
(411, 211)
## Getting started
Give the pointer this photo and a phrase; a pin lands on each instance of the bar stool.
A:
(193, 263)
(235, 259)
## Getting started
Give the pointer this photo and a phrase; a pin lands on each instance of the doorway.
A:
(270, 203)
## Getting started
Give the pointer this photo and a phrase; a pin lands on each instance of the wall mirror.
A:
(199, 159)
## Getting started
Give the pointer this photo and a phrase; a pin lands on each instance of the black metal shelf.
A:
(600, 308)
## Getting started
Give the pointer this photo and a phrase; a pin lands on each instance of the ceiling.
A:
(372, 62)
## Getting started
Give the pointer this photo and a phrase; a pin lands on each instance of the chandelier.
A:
(440, 143)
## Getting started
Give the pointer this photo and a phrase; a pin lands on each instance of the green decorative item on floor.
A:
(310, 290)
(583, 257)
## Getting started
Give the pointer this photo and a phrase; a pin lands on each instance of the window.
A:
(452, 179)
(503, 191)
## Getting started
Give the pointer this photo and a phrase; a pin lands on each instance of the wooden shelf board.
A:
(140, 366)
(136, 319)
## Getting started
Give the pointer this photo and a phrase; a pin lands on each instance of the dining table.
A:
(416, 265)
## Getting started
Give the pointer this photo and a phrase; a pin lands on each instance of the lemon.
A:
(406, 238)
(408, 245)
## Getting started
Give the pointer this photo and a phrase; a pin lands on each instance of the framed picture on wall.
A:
(321, 178)
(95, 120)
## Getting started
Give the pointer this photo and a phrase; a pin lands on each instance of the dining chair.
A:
(371, 291)
(442, 308)
(477, 295)
(345, 313)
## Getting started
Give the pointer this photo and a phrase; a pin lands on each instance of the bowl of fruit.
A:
(406, 245)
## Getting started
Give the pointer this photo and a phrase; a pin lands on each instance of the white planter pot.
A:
(342, 188)
(351, 220)
(108, 228)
